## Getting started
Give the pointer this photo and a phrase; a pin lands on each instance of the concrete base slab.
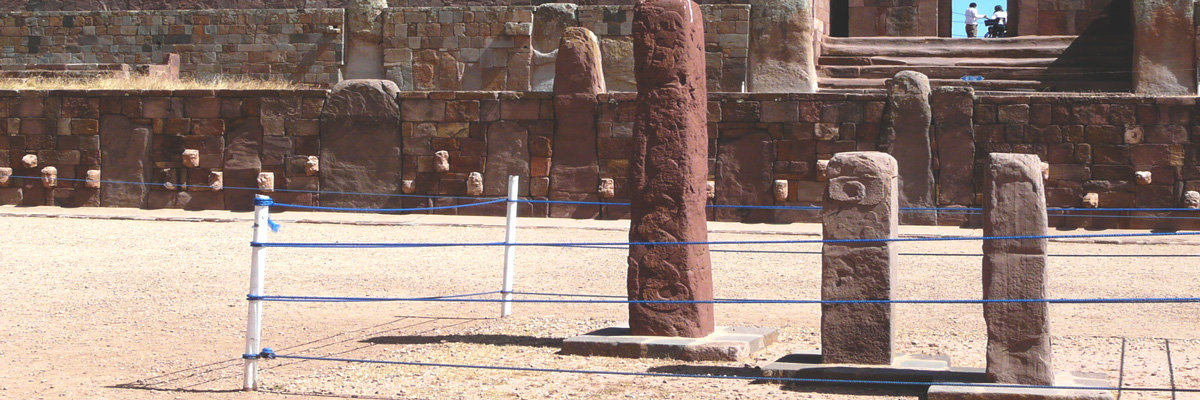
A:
(942, 392)
(724, 344)
(904, 368)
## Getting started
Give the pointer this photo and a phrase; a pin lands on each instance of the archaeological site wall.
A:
(1106, 151)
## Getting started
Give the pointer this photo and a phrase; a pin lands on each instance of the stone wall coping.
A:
(163, 93)
(1084, 98)
(121, 13)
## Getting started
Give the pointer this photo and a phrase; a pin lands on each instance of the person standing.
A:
(973, 15)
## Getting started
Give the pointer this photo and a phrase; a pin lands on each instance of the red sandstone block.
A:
(110, 104)
(1166, 134)
(462, 110)
(540, 146)
(208, 127)
(1107, 134)
(985, 114)
(1039, 115)
(742, 111)
(1148, 114)
(81, 107)
(38, 127)
(422, 110)
(303, 127)
(520, 109)
(85, 127)
(1083, 153)
(1069, 172)
(1156, 154)
(539, 166)
(1122, 114)
(1160, 196)
(780, 111)
(202, 107)
(156, 107)
(310, 107)
(810, 111)
(1013, 114)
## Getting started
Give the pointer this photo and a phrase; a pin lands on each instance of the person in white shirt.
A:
(999, 23)
(973, 16)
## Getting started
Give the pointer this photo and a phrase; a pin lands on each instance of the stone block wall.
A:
(1079, 17)
(139, 137)
(289, 45)
(1129, 151)
(488, 48)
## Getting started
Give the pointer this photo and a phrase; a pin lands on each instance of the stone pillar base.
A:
(724, 344)
(941, 392)
(904, 368)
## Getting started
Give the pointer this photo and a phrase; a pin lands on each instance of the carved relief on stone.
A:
(1143, 177)
(191, 158)
(710, 187)
(1191, 199)
(1091, 200)
(822, 167)
(781, 190)
(441, 161)
(93, 179)
(475, 184)
(49, 177)
(5, 176)
(29, 161)
(216, 181)
(408, 186)
(167, 177)
(266, 182)
(607, 191)
(312, 166)
(1045, 170)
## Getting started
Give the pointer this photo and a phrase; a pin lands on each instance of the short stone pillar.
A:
(1014, 204)
(669, 171)
(579, 77)
(364, 40)
(782, 56)
(1164, 50)
(906, 124)
(860, 203)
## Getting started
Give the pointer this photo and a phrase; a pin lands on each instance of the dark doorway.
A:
(839, 18)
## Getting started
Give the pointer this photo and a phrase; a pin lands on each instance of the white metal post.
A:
(510, 237)
(258, 261)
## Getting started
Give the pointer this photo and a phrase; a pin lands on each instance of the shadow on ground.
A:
(497, 340)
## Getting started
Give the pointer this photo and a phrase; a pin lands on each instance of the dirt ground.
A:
(132, 308)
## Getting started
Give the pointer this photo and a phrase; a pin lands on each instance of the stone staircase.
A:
(1021, 64)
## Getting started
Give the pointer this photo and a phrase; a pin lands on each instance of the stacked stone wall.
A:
(1128, 151)
(289, 45)
(488, 48)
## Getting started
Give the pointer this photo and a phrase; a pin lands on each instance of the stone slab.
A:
(904, 368)
(943, 392)
(724, 344)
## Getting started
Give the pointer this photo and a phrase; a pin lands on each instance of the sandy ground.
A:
(130, 308)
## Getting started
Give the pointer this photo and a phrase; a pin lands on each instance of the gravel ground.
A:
(130, 309)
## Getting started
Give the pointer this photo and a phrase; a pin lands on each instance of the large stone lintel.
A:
(904, 368)
(944, 392)
(724, 344)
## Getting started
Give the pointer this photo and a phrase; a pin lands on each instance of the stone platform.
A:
(724, 344)
(942, 392)
(904, 368)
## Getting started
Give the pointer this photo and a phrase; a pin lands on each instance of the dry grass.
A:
(145, 83)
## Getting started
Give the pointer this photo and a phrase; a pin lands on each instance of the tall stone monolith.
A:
(364, 40)
(550, 23)
(360, 144)
(906, 124)
(953, 126)
(668, 172)
(1164, 50)
(1014, 204)
(575, 174)
(860, 203)
(782, 56)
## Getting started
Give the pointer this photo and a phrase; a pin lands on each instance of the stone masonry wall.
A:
(488, 48)
(1093, 144)
(288, 45)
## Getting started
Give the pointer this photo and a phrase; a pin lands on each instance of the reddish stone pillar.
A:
(860, 203)
(906, 124)
(668, 172)
(1164, 49)
(782, 56)
(575, 174)
(1014, 204)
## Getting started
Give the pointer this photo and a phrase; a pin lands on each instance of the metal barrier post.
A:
(258, 261)
(510, 237)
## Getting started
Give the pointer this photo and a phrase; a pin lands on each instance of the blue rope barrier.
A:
(329, 299)
(712, 243)
(734, 377)
(300, 206)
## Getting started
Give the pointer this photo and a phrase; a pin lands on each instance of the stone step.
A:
(986, 71)
(1105, 60)
(987, 85)
(972, 48)
(1020, 41)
